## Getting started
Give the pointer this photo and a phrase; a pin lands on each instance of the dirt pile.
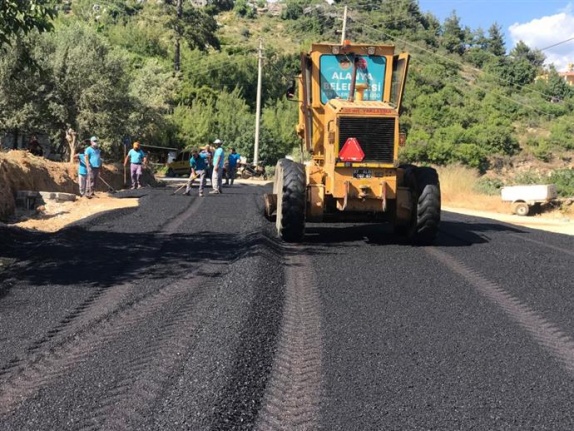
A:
(20, 170)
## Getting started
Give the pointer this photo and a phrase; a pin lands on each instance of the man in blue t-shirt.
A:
(232, 161)
(198, 164)
(137, 158)
(218, 161)
(93, 164)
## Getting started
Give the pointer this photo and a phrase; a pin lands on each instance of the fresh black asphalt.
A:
(168, 317)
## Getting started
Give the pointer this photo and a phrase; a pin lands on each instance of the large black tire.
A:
(425, 186)
(170, 173)
(291, 200)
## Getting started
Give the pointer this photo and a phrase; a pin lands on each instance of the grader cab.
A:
(349, 99)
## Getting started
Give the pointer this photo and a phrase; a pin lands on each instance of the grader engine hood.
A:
(370, 128)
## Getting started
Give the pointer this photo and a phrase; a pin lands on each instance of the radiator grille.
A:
(375, 135)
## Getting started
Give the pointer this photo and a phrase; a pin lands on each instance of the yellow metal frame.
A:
(326, 177)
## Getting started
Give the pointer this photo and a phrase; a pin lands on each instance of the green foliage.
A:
(293, 10)
(489, 186)
(109, 70)
(279, 122)
(540, 148)
(146, 41)
(564, 180)
(562, 134)
(453, 36)
(528, 178)
(495, 41)
(22, 16)
(243, 9)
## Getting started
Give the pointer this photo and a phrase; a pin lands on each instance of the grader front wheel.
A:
(290, 191)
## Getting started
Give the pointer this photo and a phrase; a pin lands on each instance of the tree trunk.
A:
(15, 141)
(72, 137)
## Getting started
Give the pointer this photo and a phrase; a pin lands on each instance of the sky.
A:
(538, 23)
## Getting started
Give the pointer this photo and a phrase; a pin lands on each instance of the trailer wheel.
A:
(290, 221)
(425, 186)
(520, 208)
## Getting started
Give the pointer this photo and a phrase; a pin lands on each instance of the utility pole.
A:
(258, 106)
(177, 59)
(344, 32)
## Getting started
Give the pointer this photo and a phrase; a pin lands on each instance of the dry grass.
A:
(459, 185)
(459, 189)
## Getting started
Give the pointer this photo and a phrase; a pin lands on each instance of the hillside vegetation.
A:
(181, 76)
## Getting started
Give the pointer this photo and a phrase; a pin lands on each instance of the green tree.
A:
(495, 41)
(152, 90)
(279, 120)
(477, 53)
(20, 91)
(534, 56)
(453, 36)
(84, 84)
(22, 16)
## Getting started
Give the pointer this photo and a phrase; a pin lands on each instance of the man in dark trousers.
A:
(137, 158)
(93, 164)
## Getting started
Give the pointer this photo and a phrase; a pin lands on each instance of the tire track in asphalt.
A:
(31, 376)
(128, 404)
(21, 378)
(544, 332)
(545, 244)
(293, 396)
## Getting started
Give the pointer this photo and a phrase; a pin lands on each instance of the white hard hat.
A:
(217, 141)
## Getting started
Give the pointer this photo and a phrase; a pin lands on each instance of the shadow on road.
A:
(451, 234)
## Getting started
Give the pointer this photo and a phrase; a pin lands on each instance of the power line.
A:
(556, 44)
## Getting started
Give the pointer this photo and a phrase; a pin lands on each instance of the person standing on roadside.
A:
(218, 161)
(209, 168)
(232, 161)
(137, 158)
(93, 165)
(198, 164)
(82, 173)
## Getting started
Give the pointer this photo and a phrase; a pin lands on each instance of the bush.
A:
(527, 178)
(489, 186)
(564, 180)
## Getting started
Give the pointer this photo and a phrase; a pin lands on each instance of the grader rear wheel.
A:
(290, 191)
(425, 186)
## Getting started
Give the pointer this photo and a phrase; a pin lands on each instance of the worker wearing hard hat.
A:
(137, 158)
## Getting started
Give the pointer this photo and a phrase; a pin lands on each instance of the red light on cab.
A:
(351, 151)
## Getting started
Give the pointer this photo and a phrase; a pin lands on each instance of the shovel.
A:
(183, 185)
(110, 188)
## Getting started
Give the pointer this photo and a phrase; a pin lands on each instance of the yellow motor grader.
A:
(349, 101)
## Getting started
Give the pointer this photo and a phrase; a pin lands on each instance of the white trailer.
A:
(522, 198)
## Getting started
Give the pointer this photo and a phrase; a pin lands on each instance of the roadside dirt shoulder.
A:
(553, 222)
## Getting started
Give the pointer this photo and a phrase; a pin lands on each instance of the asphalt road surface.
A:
(187, 313)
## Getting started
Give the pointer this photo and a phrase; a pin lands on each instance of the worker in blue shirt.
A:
(232, 161)
(137, 158)
(82, 173)
(198, 164)
(93, 164)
